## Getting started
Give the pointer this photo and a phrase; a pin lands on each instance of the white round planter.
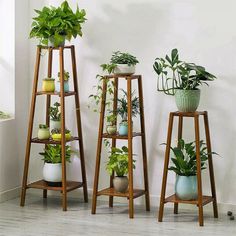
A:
(43, 133)
(52, 172)
(55, 124)
(124, 69)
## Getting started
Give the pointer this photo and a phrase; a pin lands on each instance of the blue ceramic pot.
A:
(186, 187)
(123, 128)
(66, 86)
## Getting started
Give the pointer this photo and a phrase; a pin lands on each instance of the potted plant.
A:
(122, 110)
(43, 132)
(185, 167)
(55, 116)
(182, 79)
(66, 82)
(123, 63)
(111, 124)
(52, 169)
(56, 134)
(48, 85)
(53, 25)
(118, 164)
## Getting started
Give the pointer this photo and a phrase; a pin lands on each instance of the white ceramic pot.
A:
(43, 133)
(124, 69)
(52, 172)
(55, 124)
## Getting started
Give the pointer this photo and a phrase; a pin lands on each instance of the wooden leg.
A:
(63, 141)
(79, 126)
(99, 147)
(165, 171)
(210, 163)
(199, 179)
(180, 132)
(144, 150)
(48, 100)
(130, 148)
(30, 128)
(114, 140)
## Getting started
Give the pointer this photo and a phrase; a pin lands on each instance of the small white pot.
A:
(43, 134)
(55, 124)
(124, 69)
(52, 172)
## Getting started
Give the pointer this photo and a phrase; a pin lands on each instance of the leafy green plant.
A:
(111, 119)
(122, 108)
(184, 160)
(58, 131)
(119, 161)
(66, 75)
(58, 23)
(42, 126)
(52, 154)
(123, 58)
(173, 74)
(4, 115)
(54, 112)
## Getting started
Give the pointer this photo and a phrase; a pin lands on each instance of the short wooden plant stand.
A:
(41, 184)
(132, 193)
(201, 200)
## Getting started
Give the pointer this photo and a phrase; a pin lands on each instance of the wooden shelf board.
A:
(127, 76)
(55, 48)
(112, 192)
(174, 198)
(117, 136)
(188, 114)
(41, 184)
(70, 93)
(51, 141)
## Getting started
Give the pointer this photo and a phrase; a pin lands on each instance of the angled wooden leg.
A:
(114, 140)
(199, 179)
(99, 146)
(165, 170)
(79, 126)
(144, 150)
(180, 131)
(210, 163)
(30, 127)
(48, 101)
(63, 141)
(130, 147)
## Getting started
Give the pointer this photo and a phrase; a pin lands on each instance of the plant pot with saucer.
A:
(118, 164)
(185, 167)
(56, 134)
(182, 79)
(52, 169)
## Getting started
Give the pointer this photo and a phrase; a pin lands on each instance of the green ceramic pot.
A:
(187, 100)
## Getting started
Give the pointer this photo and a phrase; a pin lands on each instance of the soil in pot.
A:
(187, 100)
(120, 184)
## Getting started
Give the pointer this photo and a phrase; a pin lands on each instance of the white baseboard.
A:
(154, 200)
(10, 194)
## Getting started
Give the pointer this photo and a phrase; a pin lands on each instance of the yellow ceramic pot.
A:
(57, 137)
(48, 85)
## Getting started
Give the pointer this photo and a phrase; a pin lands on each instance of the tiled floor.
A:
(45, 217)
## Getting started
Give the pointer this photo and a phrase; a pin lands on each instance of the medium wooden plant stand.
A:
(201, 200)
(41, 184)
(132, 193)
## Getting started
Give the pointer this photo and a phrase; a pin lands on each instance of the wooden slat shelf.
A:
(70, 93)
(51, 141)
(112, 192)
(188, 114)
(56, 48)
(117, 136)
(41, 184)
(173, 198)
(128, 76)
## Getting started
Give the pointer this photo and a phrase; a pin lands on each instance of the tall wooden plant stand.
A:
(132, 193)
(41, 184)
(201, 200)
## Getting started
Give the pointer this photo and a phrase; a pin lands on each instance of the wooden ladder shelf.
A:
(131, 193)
(41, 184)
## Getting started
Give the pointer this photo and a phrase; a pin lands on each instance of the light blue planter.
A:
(186, 187)
(123, 129)
(66, 86)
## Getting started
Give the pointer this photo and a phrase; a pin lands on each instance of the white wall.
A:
(202, 32)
